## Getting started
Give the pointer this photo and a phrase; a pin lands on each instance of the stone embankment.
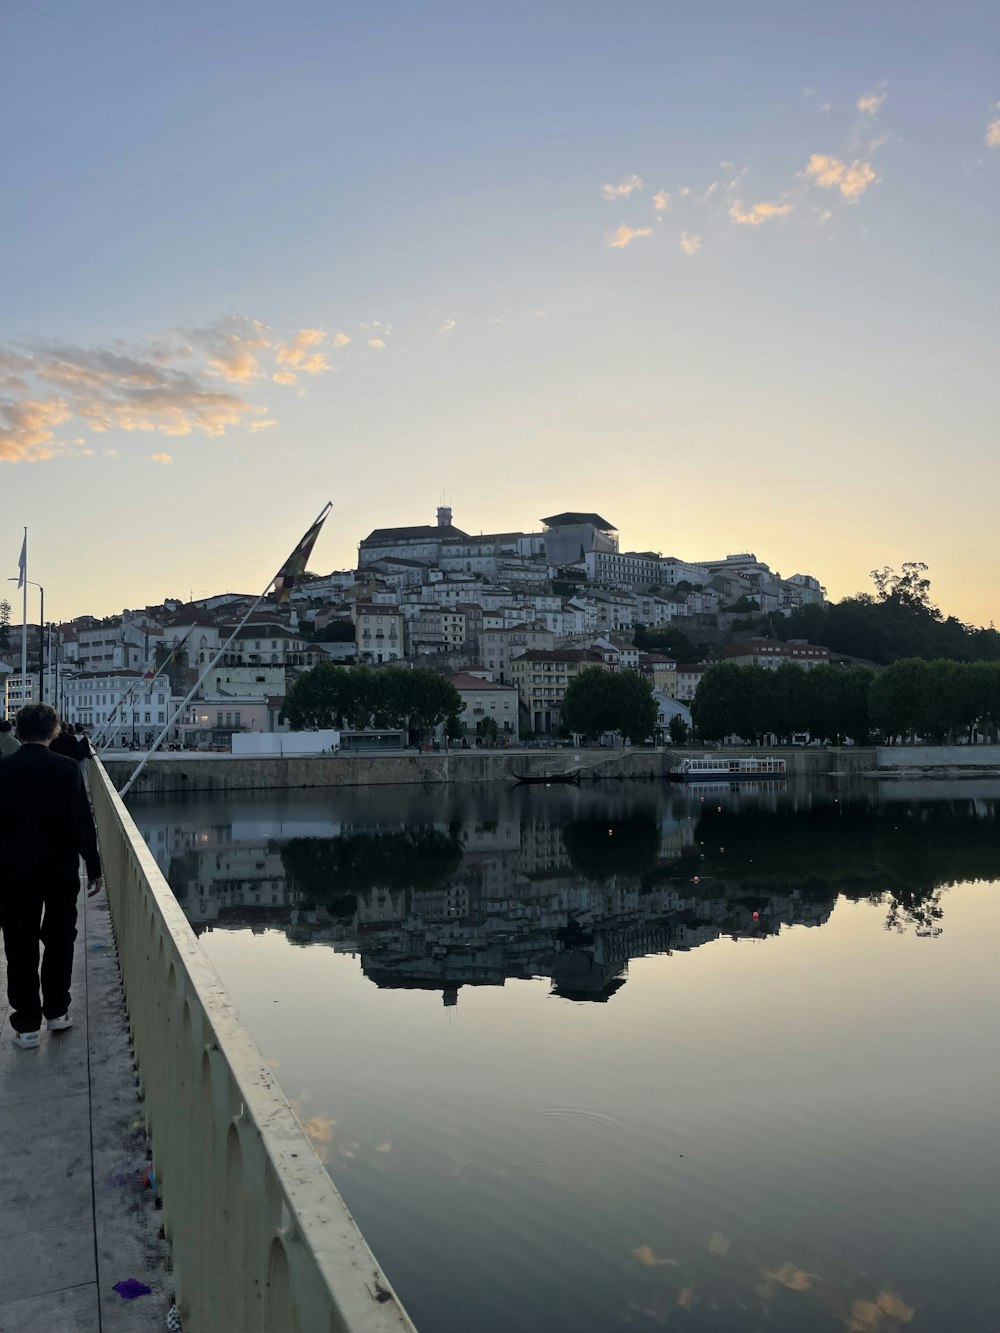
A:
(170, 773)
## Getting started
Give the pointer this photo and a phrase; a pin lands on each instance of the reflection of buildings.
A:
(516, 898)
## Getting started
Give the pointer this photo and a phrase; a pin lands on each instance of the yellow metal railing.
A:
(261, 1240)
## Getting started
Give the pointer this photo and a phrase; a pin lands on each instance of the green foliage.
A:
(899, 621)
(488, 728)
(668, 640)
(598, 701)
(677, 730)
(360, 697)
(829, 702)
(4, 625)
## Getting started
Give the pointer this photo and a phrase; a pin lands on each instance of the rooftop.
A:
(571, 518)
(420, 532)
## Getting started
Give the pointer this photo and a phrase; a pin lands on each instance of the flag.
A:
(22, 564)
(295, 566)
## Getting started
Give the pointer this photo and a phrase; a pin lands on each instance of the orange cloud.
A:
(690, 242)
(661, 201)
(624, 236)
(378, 343)
(340, 339)
(831, 173)
(870, 102)
(622, 190)
(27, 428)
(161, 458)
(757, 213)
(285, 377)
(297, 352)
(261, 425)
(993, 134)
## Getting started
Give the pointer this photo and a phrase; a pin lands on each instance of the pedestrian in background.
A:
(8, 741)
(45, 827)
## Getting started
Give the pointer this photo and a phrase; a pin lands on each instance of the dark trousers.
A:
(29, 916)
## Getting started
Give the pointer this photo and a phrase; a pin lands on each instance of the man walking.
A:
(45, 827)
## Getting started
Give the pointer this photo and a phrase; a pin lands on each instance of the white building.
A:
(136, 709)
(379, 633)
(484, 699)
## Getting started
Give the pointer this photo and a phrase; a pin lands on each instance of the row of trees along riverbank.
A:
(385, 699)
(938, 701)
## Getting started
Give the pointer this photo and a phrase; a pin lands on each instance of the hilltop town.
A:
(510, 618)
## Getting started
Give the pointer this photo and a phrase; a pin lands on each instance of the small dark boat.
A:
(545, 779)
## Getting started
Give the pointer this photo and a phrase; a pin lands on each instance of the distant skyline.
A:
(727, 276)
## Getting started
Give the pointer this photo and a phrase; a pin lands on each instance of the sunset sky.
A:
(725, 273)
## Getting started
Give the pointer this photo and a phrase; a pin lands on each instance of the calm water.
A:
(631, 1058)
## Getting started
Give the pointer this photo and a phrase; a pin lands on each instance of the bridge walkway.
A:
(75, 1215)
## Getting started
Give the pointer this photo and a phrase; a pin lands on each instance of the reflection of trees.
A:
(331, 872)
(904, 852)
(598, 848)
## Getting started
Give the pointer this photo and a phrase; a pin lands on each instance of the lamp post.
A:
(41, 639)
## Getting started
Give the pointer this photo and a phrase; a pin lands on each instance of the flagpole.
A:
(210, 668)
(24, 619)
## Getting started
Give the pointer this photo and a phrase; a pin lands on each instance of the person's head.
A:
(79, 728)
(37, 723)
(4, 725)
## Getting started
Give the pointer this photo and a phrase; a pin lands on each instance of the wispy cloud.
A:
(993, 134)
(378, 343)
(623, 189)
(262, 425)
(831, 173)
(166, 387)
(757, 213)
(870, 102)
(661, 201)
(690, 242)
(340, 339)
(285, 377)
(624, 236)
(448, 326)
(27, 427)
(161, 458)
(233, 345)
(300, 354)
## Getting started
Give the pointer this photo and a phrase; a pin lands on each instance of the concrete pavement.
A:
(75, 1216)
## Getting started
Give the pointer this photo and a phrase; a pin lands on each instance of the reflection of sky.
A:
(782, 1135)
(735, 1118)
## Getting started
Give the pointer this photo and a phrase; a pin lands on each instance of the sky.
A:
(724, 273)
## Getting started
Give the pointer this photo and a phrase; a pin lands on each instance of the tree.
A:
(669, 640)
(677, 730)
(589, 704)
(897, 696)
(338, 631)
(717, 710)
(489, 730)
(319, 698)
(4, 626)
(598, 701)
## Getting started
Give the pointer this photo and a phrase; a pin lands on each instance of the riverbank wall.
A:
(170, 773)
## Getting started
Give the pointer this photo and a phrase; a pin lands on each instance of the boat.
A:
(716, 768)
(545, 779)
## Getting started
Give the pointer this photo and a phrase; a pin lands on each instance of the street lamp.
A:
(41, 636)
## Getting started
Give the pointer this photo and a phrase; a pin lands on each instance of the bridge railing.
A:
(261, 1240)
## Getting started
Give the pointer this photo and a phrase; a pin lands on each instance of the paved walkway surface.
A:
(75, 1215)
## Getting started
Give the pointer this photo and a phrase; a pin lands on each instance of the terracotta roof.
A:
(463, 681)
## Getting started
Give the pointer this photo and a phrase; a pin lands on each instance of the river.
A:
(630, 1056)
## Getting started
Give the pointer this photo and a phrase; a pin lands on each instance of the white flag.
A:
(22, 564)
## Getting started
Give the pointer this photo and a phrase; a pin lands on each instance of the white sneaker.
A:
(27, 1041)
(60, 1024)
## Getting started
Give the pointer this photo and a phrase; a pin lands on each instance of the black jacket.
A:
(66, 743)
(45, 819)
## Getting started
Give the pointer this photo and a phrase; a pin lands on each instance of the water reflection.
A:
(563, 884)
